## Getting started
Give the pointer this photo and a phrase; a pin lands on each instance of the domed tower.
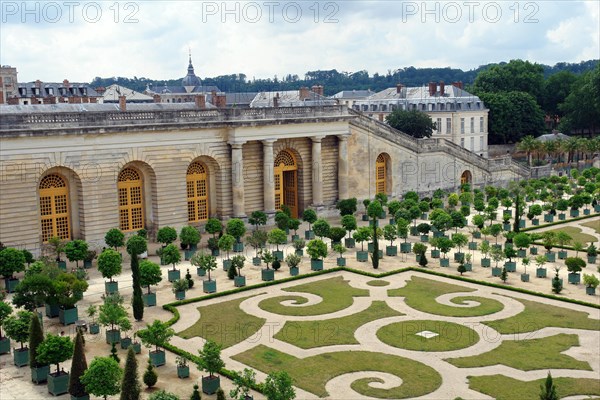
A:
(191, 80)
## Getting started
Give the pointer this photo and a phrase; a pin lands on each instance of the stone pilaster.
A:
(268, 176)
(237, 179)
(343, 167)
(317, 171)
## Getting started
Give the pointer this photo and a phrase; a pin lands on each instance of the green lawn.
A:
(538, 315)
(450, 336)
(312, 373)
(592, 224)
(336, 293)
(378, 282)
(309, 334)
(528, 355)
(576, 234)
(224, 323)
(420, 294)
(502, 387)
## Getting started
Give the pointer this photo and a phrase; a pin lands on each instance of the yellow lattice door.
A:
(54, 208)
(131, 200)
(465, 177)
(380, 174)
(286, 182)
(197, 192)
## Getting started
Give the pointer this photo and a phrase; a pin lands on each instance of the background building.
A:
(8, 83)
(461, 117)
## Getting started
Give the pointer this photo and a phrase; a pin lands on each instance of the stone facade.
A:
(332, 153)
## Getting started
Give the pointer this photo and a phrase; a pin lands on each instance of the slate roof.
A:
(353, 94)
(113, 92)
(290, 98)
(553, 136)
(27, 90)
(94, 107)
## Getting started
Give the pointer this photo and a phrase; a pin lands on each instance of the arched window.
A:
(381, 174)
(197, 192)
(286, 182)
(131, 200)
(54, 207)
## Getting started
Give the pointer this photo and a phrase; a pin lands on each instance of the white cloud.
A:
(371, 35)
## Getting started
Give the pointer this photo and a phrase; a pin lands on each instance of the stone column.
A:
(343, 167)
(268, 176)
(237, 179)
(317, 171)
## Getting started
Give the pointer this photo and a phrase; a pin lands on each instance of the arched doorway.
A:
(381, 174)
(197, 192)
(131, 200)
(286, 182)
(54, 207)
(466, 177)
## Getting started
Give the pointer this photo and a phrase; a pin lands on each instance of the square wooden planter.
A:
(444, 262)
(113, 336)
(574, 278)
(496, 271)
(111, 287)
(52, 310)
(316, 264)
(362, 256)
(210, 385)
(341, 262)
(40, 374)
(180, 295)
(294, 271)
(391, 251)
(158, 358)
(256, 261)
(125, 343)
(68, 316)
(541, 272)
(4, 345)
(11, 284)
(267, 274)
(58, 383)
(525, 277)
(309, 235)
(239, 281)
(183, 372)
(405, 248)
(278, 254)
(188, 254)
(21, 357)
(149, 299)
(226, 265)
(200, 271)
(350, 243)
(94, 328)
(209, 286)
(486, 262)
(174, 274)
(238, 247)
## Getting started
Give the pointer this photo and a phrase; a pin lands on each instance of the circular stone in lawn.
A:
(378, 282)
(427, 335)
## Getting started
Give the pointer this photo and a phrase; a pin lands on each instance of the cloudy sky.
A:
(79, 40)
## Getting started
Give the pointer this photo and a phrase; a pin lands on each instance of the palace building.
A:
(77, 170)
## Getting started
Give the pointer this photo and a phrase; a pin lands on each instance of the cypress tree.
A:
(137, 301)
(150, 376)
(36, 336)
(113, 353)
(130, 387)
(221, 394)
(78, 368)
(548, 390)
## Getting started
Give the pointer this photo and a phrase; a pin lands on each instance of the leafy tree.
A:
(210, 358)
(221, 394)
(257, 239)
(166, 235)
(349, 223)
(11, 261)
(171, 255)
(226, 243)
(103, 376)
(556, 89)
(54, 350)
(112, 311)
(205, 262)
(114, 238)
(5, 311)
(236, 228)
(130, 387)
(390, 233)
(309, 216)
(347, 206)
(17, 327)
(278, 386)
(317, 249)
(36, 336)
(321, 228)
(150, 377)
(522, 240)
(414, 123)
(515, 76)
(548, 390)
(189, 236)
(109, 263)
(361, 235)
(336, 234)
(282, 220)
(582, 106)
(76, 250)
(574, 264)
(277, 236)
(150, 274)
(78, 368)
(213, 226)
(114, 354)
(243, 382)
(33, 291)
(158, 333)
(257, 218)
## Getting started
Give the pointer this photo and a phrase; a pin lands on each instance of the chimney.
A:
(93, 100)
(276, 100)
(100, 89)
(1, 95)
(321, 90)
(13, 101)
(38, 84)
(66, 83)
(213, 97)
(156, 98)
(442, 88)
(221, 101)
(122, 103)
(315, 89)
(304, 93)
(458, 84)
(399, 88)
(432, 88)
(200, 101)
